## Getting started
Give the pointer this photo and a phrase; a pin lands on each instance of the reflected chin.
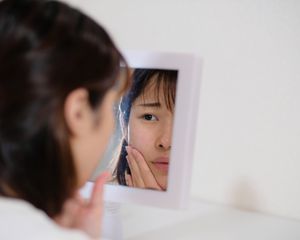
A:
(162, 182)
(160, 172)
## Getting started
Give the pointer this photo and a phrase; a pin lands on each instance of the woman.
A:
(146, 114)
(59, 74)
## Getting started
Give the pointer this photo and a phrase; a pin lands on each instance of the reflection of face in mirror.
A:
(146, 115)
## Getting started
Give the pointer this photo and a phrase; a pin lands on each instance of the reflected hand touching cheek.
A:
(140, 175)
(150, 131)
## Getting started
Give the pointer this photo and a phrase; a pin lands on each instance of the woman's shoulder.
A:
(21, 220)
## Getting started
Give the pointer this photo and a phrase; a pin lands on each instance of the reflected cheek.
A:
(141, 140)
(138, 140)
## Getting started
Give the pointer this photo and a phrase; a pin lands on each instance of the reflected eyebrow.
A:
(153, 105)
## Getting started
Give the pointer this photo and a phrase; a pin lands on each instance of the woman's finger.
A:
(69, 212)
(146, 173)
(135, 174)
(97, 194)
(128, 180)
(134, 169)
(133, 178)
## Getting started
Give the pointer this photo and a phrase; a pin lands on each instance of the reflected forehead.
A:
(150, 93)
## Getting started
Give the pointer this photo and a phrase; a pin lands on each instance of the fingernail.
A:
(106, 174)
(127, 148)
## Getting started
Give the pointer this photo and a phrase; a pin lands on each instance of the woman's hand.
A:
(141, 175)
(85, 215)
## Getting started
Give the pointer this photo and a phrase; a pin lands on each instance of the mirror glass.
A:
(138, 155)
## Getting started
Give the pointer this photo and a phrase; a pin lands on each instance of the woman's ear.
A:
(77, 111)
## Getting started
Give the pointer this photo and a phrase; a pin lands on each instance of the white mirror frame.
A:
(177, 194)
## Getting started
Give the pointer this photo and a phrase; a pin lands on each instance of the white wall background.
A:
(248, 146)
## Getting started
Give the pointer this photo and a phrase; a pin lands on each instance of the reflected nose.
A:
(165, 138)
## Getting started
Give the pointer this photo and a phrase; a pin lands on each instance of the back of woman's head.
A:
(47, 49)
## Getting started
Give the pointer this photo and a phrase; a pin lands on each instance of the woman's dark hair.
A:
(47, 50)
(141, 80)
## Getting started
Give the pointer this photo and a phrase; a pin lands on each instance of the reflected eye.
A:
(149, 117)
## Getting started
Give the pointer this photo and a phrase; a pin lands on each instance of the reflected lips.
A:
(162, 164)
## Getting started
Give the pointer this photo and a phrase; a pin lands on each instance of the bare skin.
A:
(149, 138)
(141, 175)
(90, 135)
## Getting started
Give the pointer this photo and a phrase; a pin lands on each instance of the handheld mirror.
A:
(151, 151)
